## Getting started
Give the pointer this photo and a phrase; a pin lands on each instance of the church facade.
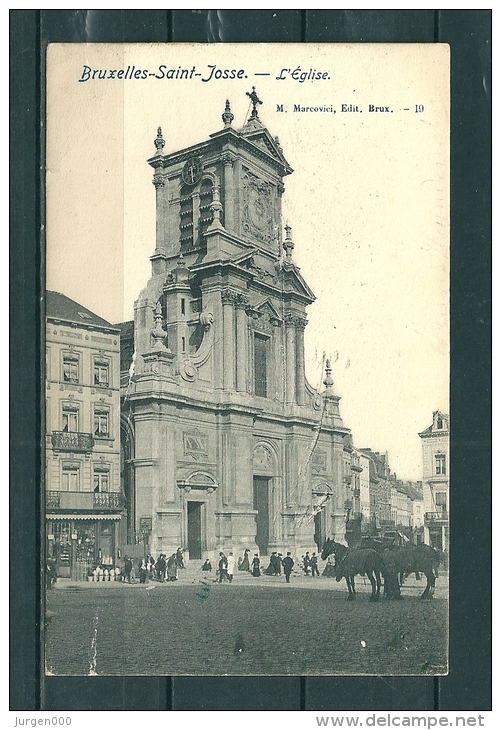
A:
(225, 445)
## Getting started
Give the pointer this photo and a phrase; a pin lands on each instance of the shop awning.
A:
(82, 517)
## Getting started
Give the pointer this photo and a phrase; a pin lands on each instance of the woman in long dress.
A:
(172, 567)
(255, 566)
(244, 563)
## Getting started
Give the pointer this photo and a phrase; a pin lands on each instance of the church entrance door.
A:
(320, 531)
(195, 530)
(261, 504)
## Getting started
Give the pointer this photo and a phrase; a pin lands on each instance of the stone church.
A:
(225, 445)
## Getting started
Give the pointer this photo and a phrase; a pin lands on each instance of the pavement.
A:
(254, 626)
(193, 575)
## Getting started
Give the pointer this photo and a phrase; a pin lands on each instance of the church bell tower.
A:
(222, 410)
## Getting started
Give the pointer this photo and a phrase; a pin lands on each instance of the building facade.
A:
(380, 490)
(225, 443)
(84, 503)
(435, 442)
(365, 503)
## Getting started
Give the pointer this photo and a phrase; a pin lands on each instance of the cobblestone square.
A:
(253, 626)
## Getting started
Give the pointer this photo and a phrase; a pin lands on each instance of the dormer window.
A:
(440, 424)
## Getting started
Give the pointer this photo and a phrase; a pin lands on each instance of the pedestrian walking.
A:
(207, 567)
(143, 571)
(288, 564)
(243, 563)
(150, 564)
(256, 572)
(180, 558)
(223, 567)
(275, 564)
(279, 564)
(230, 568)
(172, 568)
(127, 569)
(306, 564)
(160, 567)
(314, 565)
(270, 570)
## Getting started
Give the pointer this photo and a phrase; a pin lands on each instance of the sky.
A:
(368, 201)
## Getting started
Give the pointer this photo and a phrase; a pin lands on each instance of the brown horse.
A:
(353, 561)
(409, 559)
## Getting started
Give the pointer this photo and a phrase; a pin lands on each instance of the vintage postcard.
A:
(247, 369)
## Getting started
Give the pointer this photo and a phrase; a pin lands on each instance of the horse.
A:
(353, 561)
(409, 559)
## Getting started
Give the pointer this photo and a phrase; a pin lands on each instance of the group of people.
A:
(246, 565)
(277, 562)
(160, 569)
(310, 564)
(226, 567)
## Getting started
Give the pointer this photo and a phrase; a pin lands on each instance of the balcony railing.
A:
(72, 441)
(436, 516)
(109, 500)
(89, 501)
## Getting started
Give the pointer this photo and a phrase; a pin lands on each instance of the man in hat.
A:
(223, 567)
(288, 564)
(230, 566)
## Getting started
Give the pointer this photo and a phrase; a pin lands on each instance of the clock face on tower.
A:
(192, 171)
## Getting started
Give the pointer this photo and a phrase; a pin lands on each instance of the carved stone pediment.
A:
(292, 281)
(261, 137)
(199, 480)
(264, 317)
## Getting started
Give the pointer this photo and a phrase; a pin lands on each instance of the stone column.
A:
(161, 211)
(275, 505)
(228, 297)
(300, 377)
(277, 376)
(227, 467)
(216, 307)
(161, 191)
(242, 341)
(229, 198)
(290, 359)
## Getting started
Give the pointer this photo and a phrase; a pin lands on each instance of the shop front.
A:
(76, 545)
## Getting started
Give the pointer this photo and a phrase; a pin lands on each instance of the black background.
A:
(468, 686)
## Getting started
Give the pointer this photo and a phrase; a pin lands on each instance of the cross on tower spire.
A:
(255, 101)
